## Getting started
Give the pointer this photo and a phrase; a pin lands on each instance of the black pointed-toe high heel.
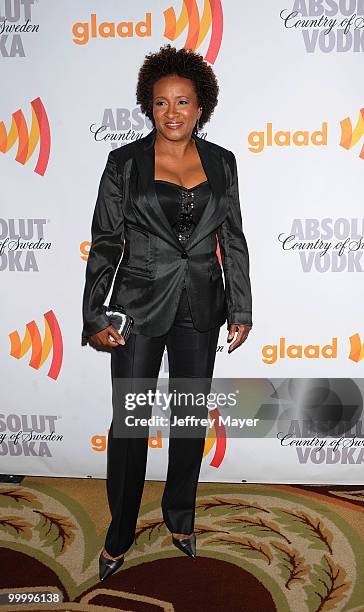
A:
(186, 545)
(108, 566)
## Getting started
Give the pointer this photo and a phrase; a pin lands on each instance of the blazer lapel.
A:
(145, 162)
(214, 210)
(214, 170)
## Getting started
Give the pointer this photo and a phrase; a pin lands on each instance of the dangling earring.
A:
(197, 125)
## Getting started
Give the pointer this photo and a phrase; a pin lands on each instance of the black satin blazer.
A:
(129, 225)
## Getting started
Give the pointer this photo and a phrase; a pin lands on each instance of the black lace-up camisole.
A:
(183, 207)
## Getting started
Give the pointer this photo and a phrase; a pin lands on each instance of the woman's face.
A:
(175, 107)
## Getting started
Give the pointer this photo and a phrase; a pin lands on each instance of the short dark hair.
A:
(185, 63)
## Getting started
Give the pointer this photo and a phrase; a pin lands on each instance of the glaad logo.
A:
(99, 441)
(27, 141)
(327, 25)
(198, 28)
(212, 18)
(326, 245)
(82, 30)
(52, 340)
(259, 140)
(271, 352)
(120, 125)
(28, 434)
(215, 440)
(15, 16)
(349, 136)
(20, 241)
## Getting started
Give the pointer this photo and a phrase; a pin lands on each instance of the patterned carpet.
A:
(260, 547)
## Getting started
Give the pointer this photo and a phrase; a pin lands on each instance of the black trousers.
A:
(191, 355)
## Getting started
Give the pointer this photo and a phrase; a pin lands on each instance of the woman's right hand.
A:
(107, 337)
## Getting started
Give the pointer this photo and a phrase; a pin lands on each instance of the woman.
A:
(163, 202)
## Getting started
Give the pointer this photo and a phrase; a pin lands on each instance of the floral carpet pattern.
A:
(260, 547)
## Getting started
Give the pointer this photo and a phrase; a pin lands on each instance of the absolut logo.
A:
(22, 244)
(15, 25)
(121, 125)
(326, 245)
(327, 26)
(28, 434)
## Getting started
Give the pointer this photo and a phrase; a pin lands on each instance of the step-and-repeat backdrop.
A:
(291, 109)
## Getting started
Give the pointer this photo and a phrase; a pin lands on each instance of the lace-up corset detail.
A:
(183, 207)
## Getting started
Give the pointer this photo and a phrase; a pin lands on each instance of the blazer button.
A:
(184, 255)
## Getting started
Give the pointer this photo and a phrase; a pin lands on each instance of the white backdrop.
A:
(280, 82)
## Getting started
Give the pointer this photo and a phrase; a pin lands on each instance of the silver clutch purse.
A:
(119, 319)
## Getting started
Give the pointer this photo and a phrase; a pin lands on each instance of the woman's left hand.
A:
(242, 331)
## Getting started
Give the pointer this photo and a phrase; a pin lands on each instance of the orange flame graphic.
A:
(219, 439)
(39, 132)
(40, 350)
(350, 137)
(212, 17)
(356, 348)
